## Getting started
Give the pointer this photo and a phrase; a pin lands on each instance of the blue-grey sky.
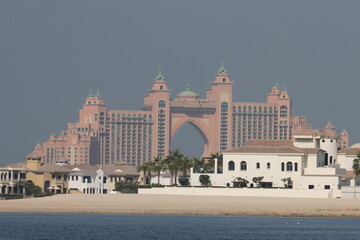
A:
(53, 52)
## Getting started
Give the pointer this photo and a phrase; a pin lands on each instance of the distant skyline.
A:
(53, 53)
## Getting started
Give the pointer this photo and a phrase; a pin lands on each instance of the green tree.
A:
(205, 180)
(240, 182)
(257, 180)
(144, 168)
(20, 186)
(287, 182)
(198, 164)
(172, 163)
(158, 167)
(185, 164)
(30, 188)
(356, 169)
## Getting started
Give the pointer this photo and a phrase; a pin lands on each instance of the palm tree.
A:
(20, 186)
(144, 169)
(173, 164)
(158, 167)
(198, 163)
(185, 165)
(150, 168)
(356, 168)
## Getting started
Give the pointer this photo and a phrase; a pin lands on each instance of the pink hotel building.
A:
(114, 136)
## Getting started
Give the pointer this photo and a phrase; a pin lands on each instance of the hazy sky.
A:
(53, 52)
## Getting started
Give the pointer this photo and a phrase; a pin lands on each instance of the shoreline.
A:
(134, 204)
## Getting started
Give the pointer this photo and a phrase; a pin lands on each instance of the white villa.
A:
(310, 159)
(99, 179)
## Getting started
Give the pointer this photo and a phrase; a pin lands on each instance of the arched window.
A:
(326, 159)
(289, 166)
(282, 166)
(295, 167)
(224, 105)
(162, 103)
(231, 166)
(268, 165)
(161, 87)
(331, 160)
(243, 166)
(224, 79)
(257, 165)
(283, 111)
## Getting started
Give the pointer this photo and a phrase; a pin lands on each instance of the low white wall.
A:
(244, 192)
(349, 192)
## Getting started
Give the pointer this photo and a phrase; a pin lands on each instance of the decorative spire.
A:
(285, 88)
(90, 94)
(222, 68)
(188, 87)
(276, 83)
(97, 93)
(159, 76)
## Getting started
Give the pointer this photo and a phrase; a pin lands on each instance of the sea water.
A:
(96, 226)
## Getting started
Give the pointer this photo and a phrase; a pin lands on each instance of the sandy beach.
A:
(186, 205)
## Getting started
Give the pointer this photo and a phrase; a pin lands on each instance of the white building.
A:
(346, 157)
(99, 179)
(310, 160)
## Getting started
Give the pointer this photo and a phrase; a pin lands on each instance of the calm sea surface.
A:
(92, 226)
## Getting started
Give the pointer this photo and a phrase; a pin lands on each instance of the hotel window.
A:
(243, 166)
(162, 103)
(283, 111)
(268, 165)
(295, 167)
(282, 167)
(257, 165)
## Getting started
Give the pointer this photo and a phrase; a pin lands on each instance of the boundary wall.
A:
(349, 192)
(244, 192)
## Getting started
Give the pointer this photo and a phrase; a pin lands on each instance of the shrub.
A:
(205, 180)
(240, 182)
(43, 194)
(257, 180)
(184, 181)
(126, 187)
(11, 196)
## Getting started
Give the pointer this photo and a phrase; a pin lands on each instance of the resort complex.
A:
(247, 145)
(104, 136)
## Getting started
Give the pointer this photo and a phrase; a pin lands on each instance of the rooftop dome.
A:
(356, 145)
(188, 93)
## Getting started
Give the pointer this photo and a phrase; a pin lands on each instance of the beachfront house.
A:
(308, 161)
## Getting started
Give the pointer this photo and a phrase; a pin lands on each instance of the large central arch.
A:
(202, 125)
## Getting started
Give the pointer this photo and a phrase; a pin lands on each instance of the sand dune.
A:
(186, 205)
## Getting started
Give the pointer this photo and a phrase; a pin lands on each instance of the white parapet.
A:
(244, 192)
